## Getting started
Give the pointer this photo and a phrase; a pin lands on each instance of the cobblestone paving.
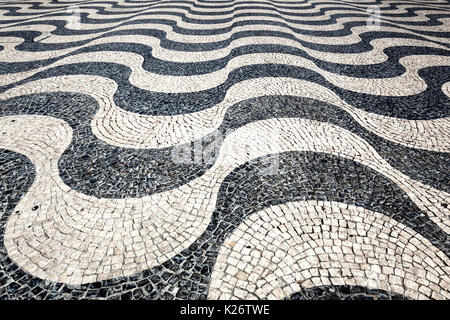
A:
(225, 149)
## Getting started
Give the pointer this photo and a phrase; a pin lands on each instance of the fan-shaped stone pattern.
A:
(284, 248)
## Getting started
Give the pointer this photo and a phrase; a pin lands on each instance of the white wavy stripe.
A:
(282, 249)
(131, 130)
(85, 228)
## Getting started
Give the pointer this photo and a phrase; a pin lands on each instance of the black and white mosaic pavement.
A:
(225, 149)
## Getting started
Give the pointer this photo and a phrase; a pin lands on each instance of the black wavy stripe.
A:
(432, 103)
(94, 167)
(391, 67)
(120, 172)
(302, 176)
(344, 293)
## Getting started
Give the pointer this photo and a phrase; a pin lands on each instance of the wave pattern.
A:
(225, 149)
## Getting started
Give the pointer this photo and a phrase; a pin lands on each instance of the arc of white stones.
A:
(281, 249)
